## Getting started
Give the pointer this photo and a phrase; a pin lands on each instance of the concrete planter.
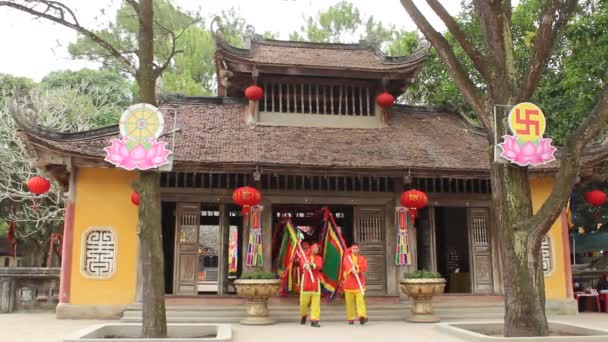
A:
(491, 331)
(257, 292)
(176, 332)
(422, 291)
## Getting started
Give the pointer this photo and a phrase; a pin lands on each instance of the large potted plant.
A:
(421, 286)
(257, 287)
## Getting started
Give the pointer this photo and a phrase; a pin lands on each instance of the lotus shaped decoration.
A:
(527, 153)
(130, 155)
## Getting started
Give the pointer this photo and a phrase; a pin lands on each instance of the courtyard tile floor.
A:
(43, 327)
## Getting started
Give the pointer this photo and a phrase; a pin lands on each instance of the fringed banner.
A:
(402, 256)
(254, 247)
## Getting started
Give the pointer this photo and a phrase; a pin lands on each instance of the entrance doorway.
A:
(453, 248)
(455, 242)
(201, 243)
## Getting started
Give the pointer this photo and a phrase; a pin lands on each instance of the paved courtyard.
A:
(43, 327)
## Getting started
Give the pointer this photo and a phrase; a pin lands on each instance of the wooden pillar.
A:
(267, 235)
(223, 252)
(68, 242)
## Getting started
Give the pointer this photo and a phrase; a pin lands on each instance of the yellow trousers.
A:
(352, 298)
(314, 301)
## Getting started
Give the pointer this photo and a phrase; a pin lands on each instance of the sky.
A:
(34, 47)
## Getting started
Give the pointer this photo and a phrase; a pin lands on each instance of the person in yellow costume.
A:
(311, 265)
(353, 283)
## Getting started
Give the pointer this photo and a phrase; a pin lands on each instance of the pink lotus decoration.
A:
(137, 156)
(529, 153)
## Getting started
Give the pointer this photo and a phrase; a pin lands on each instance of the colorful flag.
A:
(287, 254)
(333, 252)
(570, 211)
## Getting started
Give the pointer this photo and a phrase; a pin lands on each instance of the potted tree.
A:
(257, 287)
(421, 286)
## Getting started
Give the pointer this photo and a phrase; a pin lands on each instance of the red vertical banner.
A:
(402, 253)
(254, 245)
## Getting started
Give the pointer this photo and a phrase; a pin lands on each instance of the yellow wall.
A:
(555, 283)
(103, 200)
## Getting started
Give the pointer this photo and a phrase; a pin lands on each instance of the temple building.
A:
(316, 138)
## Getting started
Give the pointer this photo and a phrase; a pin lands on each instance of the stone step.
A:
(288, 311)
(293, 317)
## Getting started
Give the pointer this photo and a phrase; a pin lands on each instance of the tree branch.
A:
(476, 57)
(462, 80)
(548, 32)
(134, 4)
(59, 18)
(158, 70)
(570, 160)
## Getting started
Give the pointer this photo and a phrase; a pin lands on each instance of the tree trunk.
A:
(522, 273)
(149, 225)
(153, 296)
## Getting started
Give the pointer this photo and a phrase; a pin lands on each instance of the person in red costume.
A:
(353, 283)
(297, 272)
(311, 265)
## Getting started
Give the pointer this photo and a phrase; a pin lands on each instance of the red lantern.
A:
(596, 198)
(414, 200)
(254, 93)
(135, 198)
(246, 197)
(385, 100)
(39, 185)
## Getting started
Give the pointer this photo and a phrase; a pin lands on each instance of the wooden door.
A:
(370, 231)
(186, 248)
(481, 250)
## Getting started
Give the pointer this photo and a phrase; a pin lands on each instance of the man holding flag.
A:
(311, 265)
(353, 283)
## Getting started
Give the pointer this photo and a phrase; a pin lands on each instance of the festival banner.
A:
(333, 252)
(527, 146)
(254, 246)
(287, 254)
(402, 255)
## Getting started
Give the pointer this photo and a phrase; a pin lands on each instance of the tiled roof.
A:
(321, 55)
(213, 131)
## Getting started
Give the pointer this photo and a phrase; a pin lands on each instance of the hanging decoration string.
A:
(402, 255)
(254, 246)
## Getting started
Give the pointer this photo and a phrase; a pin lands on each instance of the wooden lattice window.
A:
(307, 96)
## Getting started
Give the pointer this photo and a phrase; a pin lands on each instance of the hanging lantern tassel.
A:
(254, 247)
(402, 256)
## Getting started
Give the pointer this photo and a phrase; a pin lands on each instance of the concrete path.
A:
(43, 327)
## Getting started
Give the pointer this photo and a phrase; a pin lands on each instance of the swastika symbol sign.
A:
(527, 121)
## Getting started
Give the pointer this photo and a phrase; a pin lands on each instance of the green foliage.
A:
(577, 72)
(343, 22)
(192, 72)
(13, 86)
(3, 229)
(421, 274)
(102, 92)
(258, 275)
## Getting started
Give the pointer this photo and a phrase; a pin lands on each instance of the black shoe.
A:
(303, 320)
(363, 320)
(315, 324)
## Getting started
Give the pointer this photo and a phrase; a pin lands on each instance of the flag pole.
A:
(356, 274)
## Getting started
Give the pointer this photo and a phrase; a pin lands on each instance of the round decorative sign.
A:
(141, 121)
(527, 146)
(527, 122)
(138, 147)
